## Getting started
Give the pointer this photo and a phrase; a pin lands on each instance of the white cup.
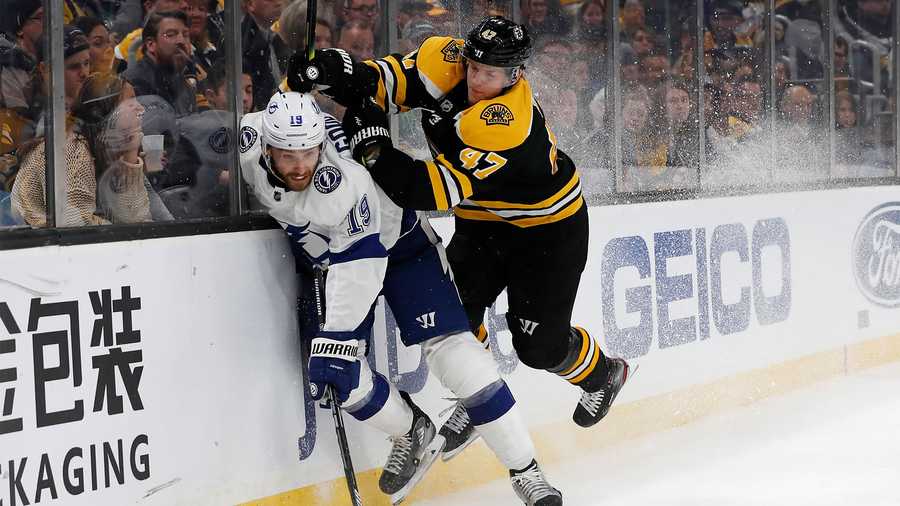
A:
(153, 152)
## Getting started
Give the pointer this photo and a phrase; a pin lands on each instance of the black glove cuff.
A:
(368, 133)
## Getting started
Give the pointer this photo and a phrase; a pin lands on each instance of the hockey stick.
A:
(310, 29)
(331, 398)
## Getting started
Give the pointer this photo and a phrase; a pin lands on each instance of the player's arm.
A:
(396, 82)
(413, 184)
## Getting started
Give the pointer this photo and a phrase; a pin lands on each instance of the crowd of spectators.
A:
(137, 70)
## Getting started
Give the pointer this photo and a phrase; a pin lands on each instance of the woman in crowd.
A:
(101, 48)
(680, 125)
(86, 160)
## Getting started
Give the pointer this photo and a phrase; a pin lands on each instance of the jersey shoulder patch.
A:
(501, 123)
(327, 178)
(439, 61)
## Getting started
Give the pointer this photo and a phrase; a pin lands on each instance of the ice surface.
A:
(835, 443)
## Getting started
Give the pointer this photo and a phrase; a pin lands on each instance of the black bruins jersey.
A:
(496, 160)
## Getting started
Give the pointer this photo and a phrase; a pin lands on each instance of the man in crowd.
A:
(165, 71)
(258, 51)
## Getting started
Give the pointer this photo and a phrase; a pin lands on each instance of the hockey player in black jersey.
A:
(521, 223)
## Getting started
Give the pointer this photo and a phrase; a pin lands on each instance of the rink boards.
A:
(166, 371)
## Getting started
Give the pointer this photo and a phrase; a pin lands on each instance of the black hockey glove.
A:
(366, 125)
(330, 71)
(438, 126)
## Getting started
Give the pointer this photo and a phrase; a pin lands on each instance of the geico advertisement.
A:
(725, 279)
(67, 364)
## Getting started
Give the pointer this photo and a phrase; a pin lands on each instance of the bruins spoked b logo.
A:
(497, 114)
(451, 52)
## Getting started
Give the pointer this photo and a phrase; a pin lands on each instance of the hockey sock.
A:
(584, 365)
(496, 417)
(382, 408)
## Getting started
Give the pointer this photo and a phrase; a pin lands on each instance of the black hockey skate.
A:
(411, 456)
(533, 488)
(593, 406)
(458, 431)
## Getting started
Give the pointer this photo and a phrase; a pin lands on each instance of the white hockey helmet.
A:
(292, 121)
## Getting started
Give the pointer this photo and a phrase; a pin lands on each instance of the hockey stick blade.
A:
(429, 457)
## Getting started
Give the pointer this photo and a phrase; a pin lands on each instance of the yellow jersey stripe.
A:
(381, 94)
(465, 185)
(437, 186)
(474, 214)
(549, 201)
(399, 79)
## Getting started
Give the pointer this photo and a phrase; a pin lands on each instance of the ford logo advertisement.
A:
(876, 255)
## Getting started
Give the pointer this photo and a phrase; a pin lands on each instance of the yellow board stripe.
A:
(585, 341)
(381, 94)
(586, 372)
(548, 202)
(558, 441)
(464, 184)
(437, 186)
(399, 79)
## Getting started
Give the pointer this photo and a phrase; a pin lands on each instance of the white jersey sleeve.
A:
(336, 220)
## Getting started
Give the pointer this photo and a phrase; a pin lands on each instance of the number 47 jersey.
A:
(495, 160)
(341, 220)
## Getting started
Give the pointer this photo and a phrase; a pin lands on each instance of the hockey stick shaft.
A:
(310, 29)
(340, 431)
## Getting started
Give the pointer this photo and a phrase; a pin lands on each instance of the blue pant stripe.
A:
(493, 407)
(379, 396)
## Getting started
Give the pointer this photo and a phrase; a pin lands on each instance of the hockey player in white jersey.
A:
(299, 165)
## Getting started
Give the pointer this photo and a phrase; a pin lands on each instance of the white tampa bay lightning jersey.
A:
(342, 220)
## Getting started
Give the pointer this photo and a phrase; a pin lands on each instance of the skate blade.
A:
(446, 456)
(432, 451)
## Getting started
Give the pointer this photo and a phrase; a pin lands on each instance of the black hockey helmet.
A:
(499, 42)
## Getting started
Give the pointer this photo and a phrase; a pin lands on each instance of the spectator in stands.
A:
(874, 17)
(411, 11)
(257, 43)
(85, 158)
(101, 51)
(746, 110)
(215, 89)
(633, 18)
(654, 70)
(358, 39)
(724, 17)
(799, 137)
(592, 19)
(842, 79)
(292, 29)
(292, 34)
(17, 63)
(638, 138)
(553, 54)
(204, 53)
(200, 164)
(797, 105)
(165, 71)
(848, 142)
(643, 41)
(365, 12)
(545, 17)
(414, 34)
(680, 125)
(130, 48)
(781, 75)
